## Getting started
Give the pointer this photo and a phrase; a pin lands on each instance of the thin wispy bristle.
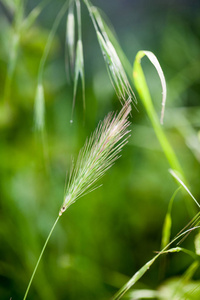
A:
(98, 155)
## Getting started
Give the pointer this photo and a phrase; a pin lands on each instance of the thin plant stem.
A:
(50, 39)
(39, 259)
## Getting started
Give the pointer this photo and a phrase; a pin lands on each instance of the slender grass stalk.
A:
(96, 157)
(146, 267)
(39, 259)
(38, 117)
(50, 39)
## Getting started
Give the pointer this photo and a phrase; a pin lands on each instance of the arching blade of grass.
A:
(175, 175)
(143, 91)
(166, 232)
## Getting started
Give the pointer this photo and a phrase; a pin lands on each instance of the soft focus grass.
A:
(110, 234)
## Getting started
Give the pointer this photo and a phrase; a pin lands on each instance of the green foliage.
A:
(103, 240)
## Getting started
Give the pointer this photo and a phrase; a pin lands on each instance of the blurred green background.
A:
(103, 239)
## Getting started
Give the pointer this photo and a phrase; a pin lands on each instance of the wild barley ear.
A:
(115, 69)
(114, 66)
(98, 155)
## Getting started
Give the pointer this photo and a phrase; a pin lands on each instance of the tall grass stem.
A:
(39, 259)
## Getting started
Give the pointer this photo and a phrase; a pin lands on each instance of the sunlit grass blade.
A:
(134, 279)
(153, 59)
(197, 243)
(143, 294)
(166, 232)
(176, 176)
(143, 91)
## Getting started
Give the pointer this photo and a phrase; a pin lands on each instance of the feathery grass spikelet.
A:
(113, 63)
(98, 155)
(115, 69)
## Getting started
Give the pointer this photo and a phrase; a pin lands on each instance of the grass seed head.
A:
(100, 152)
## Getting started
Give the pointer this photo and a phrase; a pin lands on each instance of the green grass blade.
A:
(158, 68)
(143, 294)
(197, 243)
(31, 18)
(134, 279)
(146, 267)
(166, 232)
(175, 175)
(143, 91)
